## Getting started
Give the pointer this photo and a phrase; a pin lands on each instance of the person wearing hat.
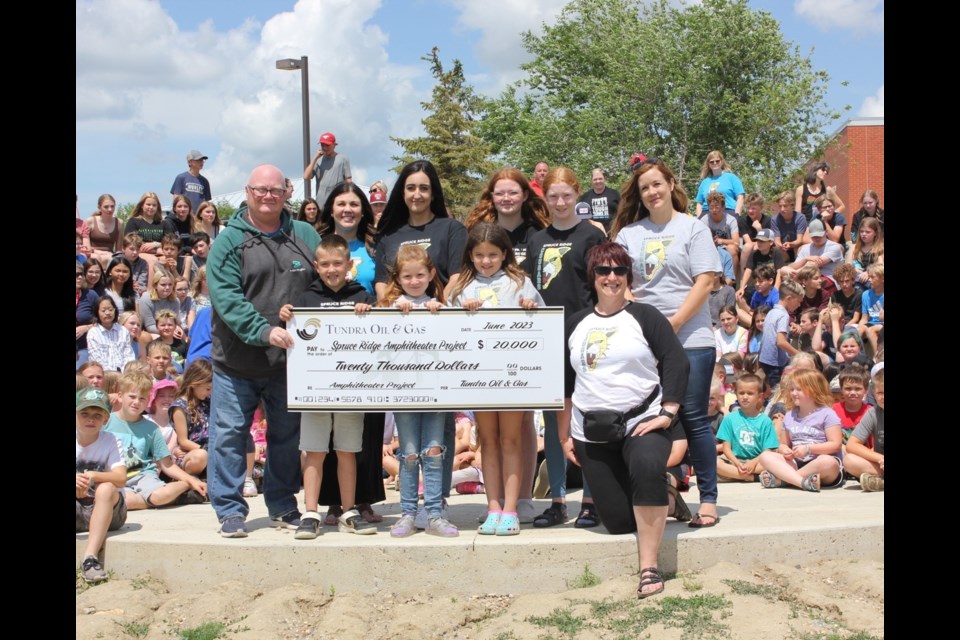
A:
(191, 184)
(636, 160)
(378, 202)
(101, 476)
(749, 223)
(328, 167)
(764, 252)
(821, 252)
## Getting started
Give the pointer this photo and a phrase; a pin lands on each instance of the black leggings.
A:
(626, 474)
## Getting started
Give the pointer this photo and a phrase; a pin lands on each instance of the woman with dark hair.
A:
(347, 213)
(93, 278)
(674, 262)
(86, 314)
(417, 213)
(310, 212)
(119, 284)
(627, 374)
(815, 185)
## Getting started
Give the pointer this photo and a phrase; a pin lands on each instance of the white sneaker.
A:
(526, 511)
(250, 488)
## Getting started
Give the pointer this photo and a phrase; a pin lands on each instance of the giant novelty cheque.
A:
(386, 360)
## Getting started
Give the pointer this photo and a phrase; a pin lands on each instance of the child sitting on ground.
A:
(144, 449)
(865, 446)
(853, 388)
(101, 475)
(162, 395)
(746, 433)
(190, 416)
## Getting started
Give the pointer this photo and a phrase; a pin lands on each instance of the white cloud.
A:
(862, 16)
(872, 106)
(500, 23)
(147, 91)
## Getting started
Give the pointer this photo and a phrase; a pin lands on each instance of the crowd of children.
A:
(797, 398)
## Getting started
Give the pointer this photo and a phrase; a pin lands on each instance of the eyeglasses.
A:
(714, 161)
(79, 274)
(261, 192)
(605, 270)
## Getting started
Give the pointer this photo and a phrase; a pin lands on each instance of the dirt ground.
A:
(833, 600)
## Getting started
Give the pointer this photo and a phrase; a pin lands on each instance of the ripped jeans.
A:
(419, 432)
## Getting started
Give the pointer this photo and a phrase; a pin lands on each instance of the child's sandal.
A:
(769, 481)
(649, 576)
(489, 526)
(811, 483)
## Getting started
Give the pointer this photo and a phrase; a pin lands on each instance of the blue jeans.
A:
(556, 461)
(232, 404)
(696, 423)
(450, 442)
(419, 432)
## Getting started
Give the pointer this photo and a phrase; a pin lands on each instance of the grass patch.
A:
(134, 629)
(744, 588)
(564, 621)
(206, 631)
(585, 579)
(858, 635)
(506, 635)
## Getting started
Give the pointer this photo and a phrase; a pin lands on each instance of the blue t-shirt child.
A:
(770, 300)
(872, 306)
(778, 321)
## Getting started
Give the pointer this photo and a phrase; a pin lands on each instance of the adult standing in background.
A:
(261, 261)
(328, 167)
(602, 199)
(674, 262)
(540, 172)
(191, 184)
(716, 175)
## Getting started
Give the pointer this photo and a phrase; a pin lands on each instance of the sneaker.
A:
(289, 520)
(352, 522)
(309, 526)
(871, 482)
(405, 527)
(250, 488)
(92, 570)
(440, 526)
(191, 497)
(526, 511)
(233, 527)
(422, 519)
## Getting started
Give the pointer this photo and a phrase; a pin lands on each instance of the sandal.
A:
(649, 576)
(769, 481)
(368, 514)
(332, 518)
(588, 517)
(553, 515)
(680, 509)
(811, 483)
(698, 521)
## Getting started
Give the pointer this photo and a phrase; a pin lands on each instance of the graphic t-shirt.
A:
(748, 437)
(103, 454)
(603, 206)
(141, 443)
(557, 265)
(810, 429)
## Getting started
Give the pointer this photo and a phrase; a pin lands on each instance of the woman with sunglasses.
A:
(623, 357)
(815, 185)
(674, 262)
(716, 175)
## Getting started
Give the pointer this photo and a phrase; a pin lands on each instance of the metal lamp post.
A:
(291, 64)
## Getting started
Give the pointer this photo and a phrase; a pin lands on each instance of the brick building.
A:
(855, 154)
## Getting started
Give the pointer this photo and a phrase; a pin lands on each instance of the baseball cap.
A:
(765, 234)
(636, 160)
(157, 386)
(817, 230)
(378, 196)
(93, 397)
(327, 138)
(195, 155)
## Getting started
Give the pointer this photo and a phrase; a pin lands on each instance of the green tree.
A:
(613, 77)
(450, 143)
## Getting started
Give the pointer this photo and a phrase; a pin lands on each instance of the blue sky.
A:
(158, 78)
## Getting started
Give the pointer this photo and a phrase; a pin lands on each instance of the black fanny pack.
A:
(605, 425)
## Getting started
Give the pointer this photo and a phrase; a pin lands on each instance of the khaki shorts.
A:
(316, 426)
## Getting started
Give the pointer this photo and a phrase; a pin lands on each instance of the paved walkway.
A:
(181, 545)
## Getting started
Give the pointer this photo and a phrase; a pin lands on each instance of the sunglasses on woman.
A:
(604, 270)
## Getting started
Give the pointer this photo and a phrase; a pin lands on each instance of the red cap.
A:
(327, 138)
(377, 196)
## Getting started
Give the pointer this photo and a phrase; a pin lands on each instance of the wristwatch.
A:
(669, 414)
